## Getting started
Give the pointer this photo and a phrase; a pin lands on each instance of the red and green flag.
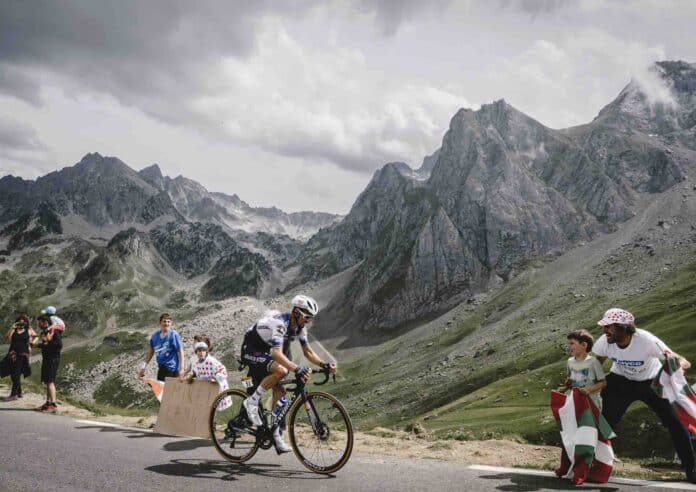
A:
(671, 384)
(586, 437)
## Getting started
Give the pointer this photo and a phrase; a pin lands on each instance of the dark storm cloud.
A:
(390, 14)
(15, 83)
(158, 31)
(535, 7)
(146, 54)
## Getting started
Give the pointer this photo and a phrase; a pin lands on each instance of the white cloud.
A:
(326, 105)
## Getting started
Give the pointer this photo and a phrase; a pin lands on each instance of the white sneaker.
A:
(281, 447)
(252, 410)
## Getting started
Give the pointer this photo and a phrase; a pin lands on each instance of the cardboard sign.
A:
(185, 408)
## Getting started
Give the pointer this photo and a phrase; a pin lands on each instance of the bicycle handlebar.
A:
(326, 372)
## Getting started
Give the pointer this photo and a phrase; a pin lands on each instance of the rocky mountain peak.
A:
(95, 163)
(395, 168)
(659, 102)
(153, 175)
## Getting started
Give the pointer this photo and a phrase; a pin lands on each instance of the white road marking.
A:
(108, 424)
(617, 480)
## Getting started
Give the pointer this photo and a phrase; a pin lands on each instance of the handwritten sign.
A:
(185, 408)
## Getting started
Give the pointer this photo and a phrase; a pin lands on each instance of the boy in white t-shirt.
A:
(636, 355)
(585, 373)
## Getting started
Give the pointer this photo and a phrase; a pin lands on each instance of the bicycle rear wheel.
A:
(321, 433)
(230, 429)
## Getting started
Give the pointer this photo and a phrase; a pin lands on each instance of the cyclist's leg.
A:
(278, 372)
(274, 372)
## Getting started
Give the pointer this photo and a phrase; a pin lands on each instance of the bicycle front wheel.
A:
(321, 433)
(230, 428)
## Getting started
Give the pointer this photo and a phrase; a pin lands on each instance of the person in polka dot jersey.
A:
(206, 367)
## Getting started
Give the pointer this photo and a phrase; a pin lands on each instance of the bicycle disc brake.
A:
(322, 431)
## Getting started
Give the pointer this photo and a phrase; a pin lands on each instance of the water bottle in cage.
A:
(278, 408)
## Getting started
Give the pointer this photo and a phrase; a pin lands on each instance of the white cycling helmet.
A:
(306, 304)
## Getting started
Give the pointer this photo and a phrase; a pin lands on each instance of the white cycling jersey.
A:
(273, 330)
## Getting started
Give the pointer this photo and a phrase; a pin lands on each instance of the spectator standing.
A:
(20, 335)
(166, 344)
(51, 343)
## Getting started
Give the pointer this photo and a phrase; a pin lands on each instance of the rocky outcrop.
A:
(191, 249)
(239, 273)
(187, 249)
(32, 226)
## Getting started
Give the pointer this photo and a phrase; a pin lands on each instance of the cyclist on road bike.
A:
(266, 350)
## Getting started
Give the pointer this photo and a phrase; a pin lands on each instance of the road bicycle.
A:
(320, 430)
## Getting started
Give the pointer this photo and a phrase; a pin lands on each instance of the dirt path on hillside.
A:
(386, 442)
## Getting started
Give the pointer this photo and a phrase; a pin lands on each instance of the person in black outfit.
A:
(51, 343)
(20, 336)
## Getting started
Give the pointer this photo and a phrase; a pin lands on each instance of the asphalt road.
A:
(51, 452)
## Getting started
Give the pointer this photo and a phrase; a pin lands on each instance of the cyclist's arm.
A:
(278, 356)
(311, 355)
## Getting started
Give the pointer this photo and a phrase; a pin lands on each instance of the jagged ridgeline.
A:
(112, 246)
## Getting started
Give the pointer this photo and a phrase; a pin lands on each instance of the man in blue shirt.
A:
(166, 344)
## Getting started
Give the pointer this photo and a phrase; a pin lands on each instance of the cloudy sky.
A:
(296, 103)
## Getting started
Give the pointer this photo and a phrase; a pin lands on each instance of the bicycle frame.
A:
(264, 435)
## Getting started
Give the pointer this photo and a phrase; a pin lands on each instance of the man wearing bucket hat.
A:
(636, 356)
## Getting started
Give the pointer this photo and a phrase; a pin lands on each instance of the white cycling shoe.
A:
(252, 410)
(281, 447)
